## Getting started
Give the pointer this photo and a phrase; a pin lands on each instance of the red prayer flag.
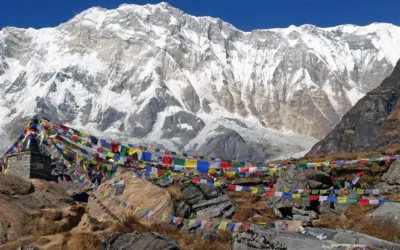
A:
(363, 202)
(65, 128)
(246, 226)
(224, 164)
(167, 152)
(130, 207)
(209, 224)
(196, 180)
(180, 220)
(360, 173)
(100, 150)
(313, 197)
(114, 147)
(231, 187)
(167, 160)
(270, 192)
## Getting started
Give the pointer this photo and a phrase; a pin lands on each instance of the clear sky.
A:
(244, 14)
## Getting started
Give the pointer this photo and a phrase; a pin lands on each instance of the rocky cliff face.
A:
(156, 75)
(373, 124)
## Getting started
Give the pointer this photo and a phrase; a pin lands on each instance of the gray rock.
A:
(136, 241)
(350, 237)
(392, 176)
(208, 234)
(318, 179)
(257, 238)
(390, 211)
(206, 201)
(385, 188)
(291, 177)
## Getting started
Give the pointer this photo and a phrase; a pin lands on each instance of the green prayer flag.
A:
(314, 191)
(305, 197)
(216, 224)
(352, 200)
(180, 162)
(186, 221)
(173, 153)
(123, 150)
(339, 185)
(237, 165)
(201, 157)
(302, 165)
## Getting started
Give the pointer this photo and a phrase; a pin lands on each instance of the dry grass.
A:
(386, 230)
(15, 244)
(176, 192)
(243, 214)
(356, 219)
(131, 224)
(83, 241)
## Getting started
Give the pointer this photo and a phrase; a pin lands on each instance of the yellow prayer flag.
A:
(191, 222)
(360, 191)
(131, 151)
(191, 163)
(322, 191)
(110, 154)
(84, 133)
(150, 150)
(108, 167)
(212, 171)
(178, 153)
(6, 171)
(217, 184)
(254, 190)
(296, 196)
(137, 209)
(231, 174)
(286, 190)
(207, 157)
(342, 199)
(223, 225)
(164, 217)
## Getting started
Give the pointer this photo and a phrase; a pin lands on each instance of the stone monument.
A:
(30, 162)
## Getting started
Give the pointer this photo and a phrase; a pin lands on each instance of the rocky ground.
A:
(41, 214)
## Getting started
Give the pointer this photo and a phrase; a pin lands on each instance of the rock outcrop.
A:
(260, 238)
(291, 177)
(137, 192)
(371, 125)
(27, 205)
(390, 211)
(391, 180)
(206, 201)
(136, 241)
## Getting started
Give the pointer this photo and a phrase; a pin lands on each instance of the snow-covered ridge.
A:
(156, 75)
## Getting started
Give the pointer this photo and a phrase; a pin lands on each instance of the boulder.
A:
(257, 238)
(206, 201)
(392, 176)
(24, 200)
(135, 241)
(138, 192)
(291, 177)
(318, 179)
(208, 234)
(385, 188)
(349, 237)
(389, 211)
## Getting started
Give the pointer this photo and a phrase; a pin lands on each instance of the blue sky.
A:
(244, 14)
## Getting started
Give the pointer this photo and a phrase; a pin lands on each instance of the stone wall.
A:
(30, 165)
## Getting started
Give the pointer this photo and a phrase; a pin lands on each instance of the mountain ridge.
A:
(156, 75)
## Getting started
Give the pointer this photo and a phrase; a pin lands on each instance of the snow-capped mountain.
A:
(156, 75)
